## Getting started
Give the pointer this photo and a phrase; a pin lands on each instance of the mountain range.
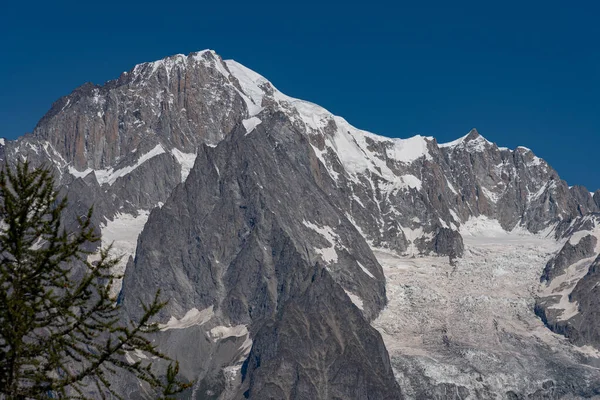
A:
(304, 258)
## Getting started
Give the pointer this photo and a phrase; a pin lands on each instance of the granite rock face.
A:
(317, 328)
(569, 255)
(179, 102)
(584, 328)
(257, 215)
(569, 298)
(242, 241)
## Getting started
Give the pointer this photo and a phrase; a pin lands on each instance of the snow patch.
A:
(110, 175)
(251, 123)
(577, 236)
(122, 232)
(409, 150)
(563, 285)
(493, 197)
(355, 299)
(251, 84)
(328, 254)
(548, 186)
(477, 144)
(412, 235)
(411, 181)
(366, 271)
(451, 187)
(454, 215)
(193, 317)
(221, 332)
(186, 160)
(482, 226)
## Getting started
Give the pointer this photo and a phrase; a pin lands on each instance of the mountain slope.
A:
(266, 220)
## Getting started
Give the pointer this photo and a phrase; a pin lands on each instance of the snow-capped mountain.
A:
(305, 258)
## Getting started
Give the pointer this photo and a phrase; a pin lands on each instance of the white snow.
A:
(477, 144)
(328, 254)
(350, 153)
(409, 150)
(140, 354)
(128, 357)
(451, 187)
(348, 143)
(251, 123)
(358, 200)
(355, 299)
(454, 215)
(250, 83)
(481, 306)
(186, 160)
(546, 187)
(366, 271)
(80, 174)
(221, 332)
(411, 181)
(577, 236)
(493, 197)
(482, 226)
(110, 175)
(454, 143)
(123, 232)
(2, 142)
(412, 235)
(193, 317)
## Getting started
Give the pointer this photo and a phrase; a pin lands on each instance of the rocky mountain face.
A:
(266, 221)
(568, 301)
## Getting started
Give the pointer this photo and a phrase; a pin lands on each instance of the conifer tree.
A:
(61, 332)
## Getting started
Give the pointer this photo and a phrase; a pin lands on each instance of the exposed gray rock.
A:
(241, 240)
(584, 328)
(573, 275)
(180, 102)
(316, 328)
(584, 199)
(569, 255)
(448, 243)
(596, 198)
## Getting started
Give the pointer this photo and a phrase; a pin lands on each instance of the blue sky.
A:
(525, 73)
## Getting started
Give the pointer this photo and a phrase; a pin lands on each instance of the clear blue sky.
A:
(523, 73)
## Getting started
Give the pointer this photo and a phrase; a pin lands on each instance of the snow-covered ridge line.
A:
(316, 118)
(170, 61)
(349, 143)
(463, 139)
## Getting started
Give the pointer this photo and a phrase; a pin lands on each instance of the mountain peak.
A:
(205, 56)
(472, 135)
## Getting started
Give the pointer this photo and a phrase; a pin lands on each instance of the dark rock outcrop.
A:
(569, 255)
